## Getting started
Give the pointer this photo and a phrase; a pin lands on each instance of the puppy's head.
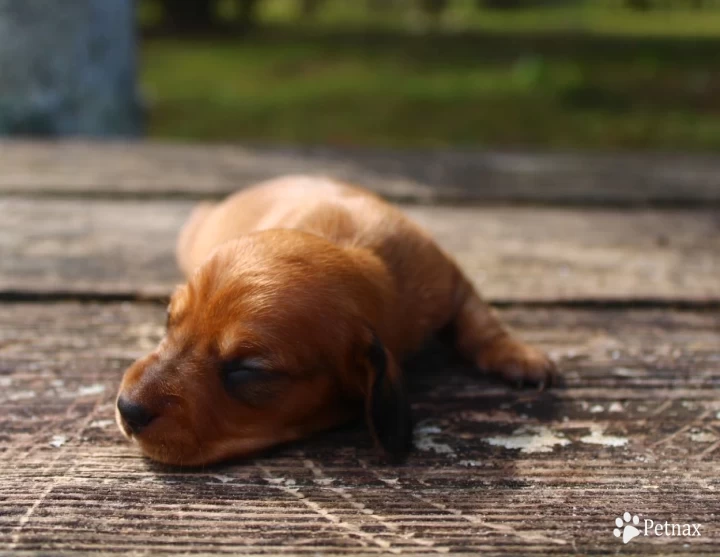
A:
(269, 341)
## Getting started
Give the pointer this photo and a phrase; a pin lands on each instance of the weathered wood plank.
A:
(150, 169)
(636, 428)
(517, 254)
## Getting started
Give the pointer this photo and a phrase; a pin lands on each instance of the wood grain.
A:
(125, 248)
(163, 170)
(636, 427)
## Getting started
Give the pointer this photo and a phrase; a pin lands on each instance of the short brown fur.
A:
(303, 276)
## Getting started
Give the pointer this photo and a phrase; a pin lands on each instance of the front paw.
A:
(518, 363)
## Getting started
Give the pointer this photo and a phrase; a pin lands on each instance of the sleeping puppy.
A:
(303, 295)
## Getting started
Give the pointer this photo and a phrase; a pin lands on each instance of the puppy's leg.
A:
(483, 339)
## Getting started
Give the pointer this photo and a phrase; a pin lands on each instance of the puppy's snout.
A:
(135, 416)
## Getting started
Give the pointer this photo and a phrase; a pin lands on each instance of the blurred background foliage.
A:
(595, 74)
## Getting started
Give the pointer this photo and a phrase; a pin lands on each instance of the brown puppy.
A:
(303, 294)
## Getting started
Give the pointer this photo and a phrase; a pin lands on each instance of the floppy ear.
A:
(386, 407)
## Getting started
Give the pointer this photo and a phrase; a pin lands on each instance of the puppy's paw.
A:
(518, 363)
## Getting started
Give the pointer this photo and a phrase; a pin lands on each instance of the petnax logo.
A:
(629, 527)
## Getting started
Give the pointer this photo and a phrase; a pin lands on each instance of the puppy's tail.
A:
(188, 234)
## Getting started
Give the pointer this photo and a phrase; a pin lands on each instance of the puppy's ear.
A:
(387, 410)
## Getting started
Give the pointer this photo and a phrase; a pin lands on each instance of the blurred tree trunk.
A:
(433, 8)
(384, 5)
(68, 70)
(500, 4)
(190, 15)
(247, 13)
(638, 4)
(310, 8)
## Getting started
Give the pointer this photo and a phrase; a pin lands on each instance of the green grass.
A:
(606, 17)
(626, 83)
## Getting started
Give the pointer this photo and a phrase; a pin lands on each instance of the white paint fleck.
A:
(717, 415)
(21, 395)
(324, 481)
(471, 463)
(626, 372)
(597, 437)
(424, 441)
(425, 444)
(616, 407)
(5, 381)
(223, 479)
(58, 441)
(95, 389)
(57, 382)
(275, 480)
(702, 437)
(530, 440)
(289, 481)
(101, 423)
(21, 418)
(427, 429)
(597, 409)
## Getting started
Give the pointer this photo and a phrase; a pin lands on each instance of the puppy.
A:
(303, 295)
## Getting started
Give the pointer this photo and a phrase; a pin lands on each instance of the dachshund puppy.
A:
(303, 295)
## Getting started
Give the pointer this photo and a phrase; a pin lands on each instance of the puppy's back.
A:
(311, 204)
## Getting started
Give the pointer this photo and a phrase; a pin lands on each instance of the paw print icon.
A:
(626, 527)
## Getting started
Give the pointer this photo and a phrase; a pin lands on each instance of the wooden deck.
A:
(612, 264)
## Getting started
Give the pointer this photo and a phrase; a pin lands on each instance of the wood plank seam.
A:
(435, 199)
(610, 179)
(17, 296)
(86, 249)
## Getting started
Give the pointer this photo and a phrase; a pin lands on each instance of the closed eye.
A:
(250, 381)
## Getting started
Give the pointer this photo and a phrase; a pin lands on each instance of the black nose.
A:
(136, 416)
